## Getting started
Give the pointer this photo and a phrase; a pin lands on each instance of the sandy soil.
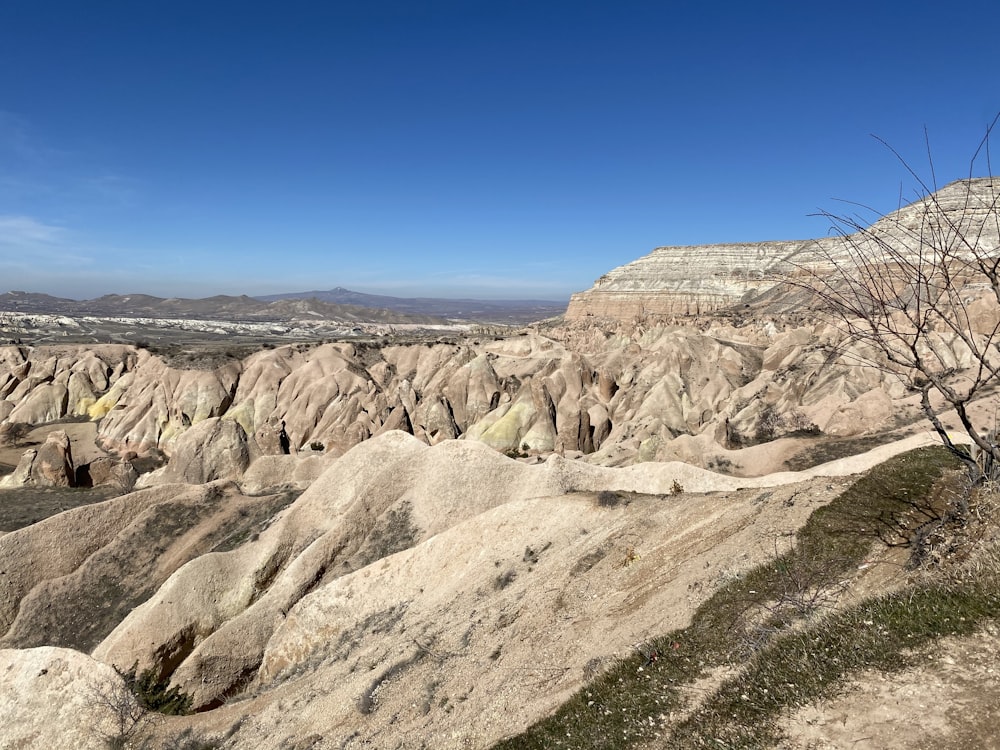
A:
(950, 702)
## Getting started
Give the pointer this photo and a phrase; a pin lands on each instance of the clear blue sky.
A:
(493, 149)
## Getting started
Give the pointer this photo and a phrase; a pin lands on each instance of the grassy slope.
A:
(771, 626)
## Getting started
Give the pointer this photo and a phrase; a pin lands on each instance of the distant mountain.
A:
(486, 311)
(30, 302)
(335, 304)
(220, 307)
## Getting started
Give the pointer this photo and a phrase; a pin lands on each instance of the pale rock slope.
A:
(414, 596)
(48, 699)
(70, 579)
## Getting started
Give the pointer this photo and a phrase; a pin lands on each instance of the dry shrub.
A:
(968, 548)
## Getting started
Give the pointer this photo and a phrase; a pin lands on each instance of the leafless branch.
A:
(912, 291)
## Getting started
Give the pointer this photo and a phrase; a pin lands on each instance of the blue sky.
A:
(492, 149)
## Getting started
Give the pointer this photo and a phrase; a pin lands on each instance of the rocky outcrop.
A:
(50, 465)
(153, 404)
(687, 280)
(71, 579)
(674, 282)
(406, 579)
(614, 392)
(51, 698)
(211, 450)
(53, 465)
(389, 495)
(108, 471)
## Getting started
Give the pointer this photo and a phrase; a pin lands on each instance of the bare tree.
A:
(917, 293)
(14, 433)
(124, 720)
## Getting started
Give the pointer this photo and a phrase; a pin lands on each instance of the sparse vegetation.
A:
(190, 739)
(608, 499)
(505, 579)
(800, 648)
(129, 706)
(154, 692)
(14, 433)
(393, 532)
(831, 449)
(124, 720)
(767, 423)
(23, 506)
(247, 524)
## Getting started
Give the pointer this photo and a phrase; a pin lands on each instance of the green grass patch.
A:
(812, 663)
(761, 620)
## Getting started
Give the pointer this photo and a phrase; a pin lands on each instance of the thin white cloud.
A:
(17, 139)
(27, 231)
(14, 135)
(31, 247)
(113, 188)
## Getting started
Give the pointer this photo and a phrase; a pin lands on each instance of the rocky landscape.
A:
(505, 538)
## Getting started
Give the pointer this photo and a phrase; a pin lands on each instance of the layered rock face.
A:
(700, 279)
(677, 281)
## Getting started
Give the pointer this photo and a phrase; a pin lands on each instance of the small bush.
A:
(14, 433)
(504, 580)
(155, 694)
(608, 499)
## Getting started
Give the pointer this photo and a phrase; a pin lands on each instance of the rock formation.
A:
(613, 398)
(411, 591)
(210, 450)
(617, 383)
(696, 280)
(51, 465)
(48, 695)
(685, 280)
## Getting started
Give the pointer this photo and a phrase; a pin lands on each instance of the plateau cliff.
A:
(695, 280)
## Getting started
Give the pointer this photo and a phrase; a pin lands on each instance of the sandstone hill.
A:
(447, 592)
(412, 596)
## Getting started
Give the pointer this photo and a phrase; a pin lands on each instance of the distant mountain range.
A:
(494, 310)
(336, 304)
